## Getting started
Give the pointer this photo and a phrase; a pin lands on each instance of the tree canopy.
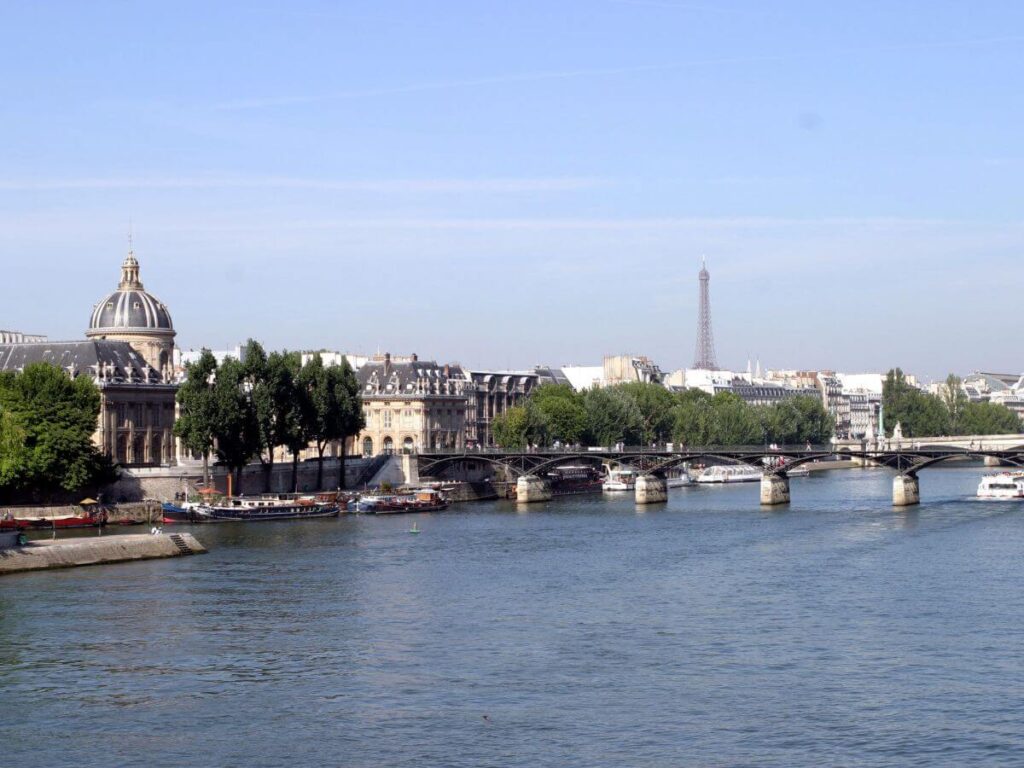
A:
(47, 422)
(642, 414)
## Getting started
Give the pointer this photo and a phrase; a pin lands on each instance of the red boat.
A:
(84, 520)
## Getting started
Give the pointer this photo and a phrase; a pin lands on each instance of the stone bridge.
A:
(906, 459)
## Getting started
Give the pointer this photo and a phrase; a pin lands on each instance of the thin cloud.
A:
(532, 77)
(497, 185)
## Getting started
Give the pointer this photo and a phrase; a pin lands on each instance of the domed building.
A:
(132, 314)
(129, 354)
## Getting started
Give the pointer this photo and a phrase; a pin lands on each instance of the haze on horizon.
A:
(511, 184)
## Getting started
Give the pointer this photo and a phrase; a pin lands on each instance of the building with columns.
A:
(129, 354)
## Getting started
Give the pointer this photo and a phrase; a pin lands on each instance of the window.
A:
(367, 447)
(387, 420)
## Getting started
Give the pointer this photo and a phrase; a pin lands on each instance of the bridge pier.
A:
(650, 489)
(906, 491)
(774, 489)
(531, 489)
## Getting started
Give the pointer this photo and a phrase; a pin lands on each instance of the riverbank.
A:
(70, 553)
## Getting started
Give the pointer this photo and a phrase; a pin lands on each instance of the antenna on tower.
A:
(705, 356)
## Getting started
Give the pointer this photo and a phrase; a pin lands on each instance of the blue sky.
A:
(510, 183)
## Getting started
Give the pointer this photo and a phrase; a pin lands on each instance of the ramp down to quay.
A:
(69, 553)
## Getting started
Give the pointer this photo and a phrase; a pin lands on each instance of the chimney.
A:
(447, 370)
(415, 357)
(387, 363)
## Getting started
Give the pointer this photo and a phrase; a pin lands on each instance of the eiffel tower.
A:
(705, 355)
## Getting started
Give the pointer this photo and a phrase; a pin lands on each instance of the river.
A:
(582, 632)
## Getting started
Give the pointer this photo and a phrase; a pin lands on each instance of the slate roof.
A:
(108, 362)
(130, 310)
(418, 377)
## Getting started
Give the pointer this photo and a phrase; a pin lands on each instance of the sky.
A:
(507, 184)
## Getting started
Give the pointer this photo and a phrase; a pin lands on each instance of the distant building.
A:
(411, 405)
(17, 337)
(615, 369)
(491, 393)
(129, 355)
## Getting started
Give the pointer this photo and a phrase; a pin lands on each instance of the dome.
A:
(130, 308)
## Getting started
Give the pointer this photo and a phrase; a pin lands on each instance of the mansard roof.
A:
(107, 362)
(412, 378)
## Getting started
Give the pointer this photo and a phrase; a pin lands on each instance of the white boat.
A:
(1002, 485)
(619, 480)
(730, 473)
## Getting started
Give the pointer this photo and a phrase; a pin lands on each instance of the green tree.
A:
(324, 404)
(558, 414)
(612, 417)
(918, 414)
(292, 407)
(352, 417)
(511, 428)
(49, 419)
(655, 404)
(196, 422)
(236, 433)
(692, 415)
(988, 419)
(270, 383)
(952, 394)
(733, 422)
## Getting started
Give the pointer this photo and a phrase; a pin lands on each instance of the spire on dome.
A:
(130, 270)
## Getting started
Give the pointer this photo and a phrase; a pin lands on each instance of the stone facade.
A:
(411, 405)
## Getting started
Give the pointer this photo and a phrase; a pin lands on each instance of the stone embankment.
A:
(68, 553)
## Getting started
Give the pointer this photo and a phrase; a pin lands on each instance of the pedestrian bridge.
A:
(906, 458)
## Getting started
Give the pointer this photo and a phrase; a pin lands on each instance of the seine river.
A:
(583, 632)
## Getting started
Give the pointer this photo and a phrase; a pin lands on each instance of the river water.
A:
(583, 632)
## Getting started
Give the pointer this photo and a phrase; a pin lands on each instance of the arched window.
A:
(367, 447)
(389, 445)
(408, 445)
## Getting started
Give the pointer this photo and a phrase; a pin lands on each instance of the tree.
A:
(918, 414)
(511, 428)
(558, 414)
(612, 417)
(350, 403)
(236, 433)
(952, 394)
(733, 422)
(324, 395)
(270, 383)
(692, 415)
(291, 407)
(654, 403)
(988, 419)
(196, 422)
(797, 420)
(47, 420)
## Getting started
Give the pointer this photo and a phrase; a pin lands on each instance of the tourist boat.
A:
(1002, 485)
(574, 479)
(281, 507)
(729, 473)
(619, 480)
